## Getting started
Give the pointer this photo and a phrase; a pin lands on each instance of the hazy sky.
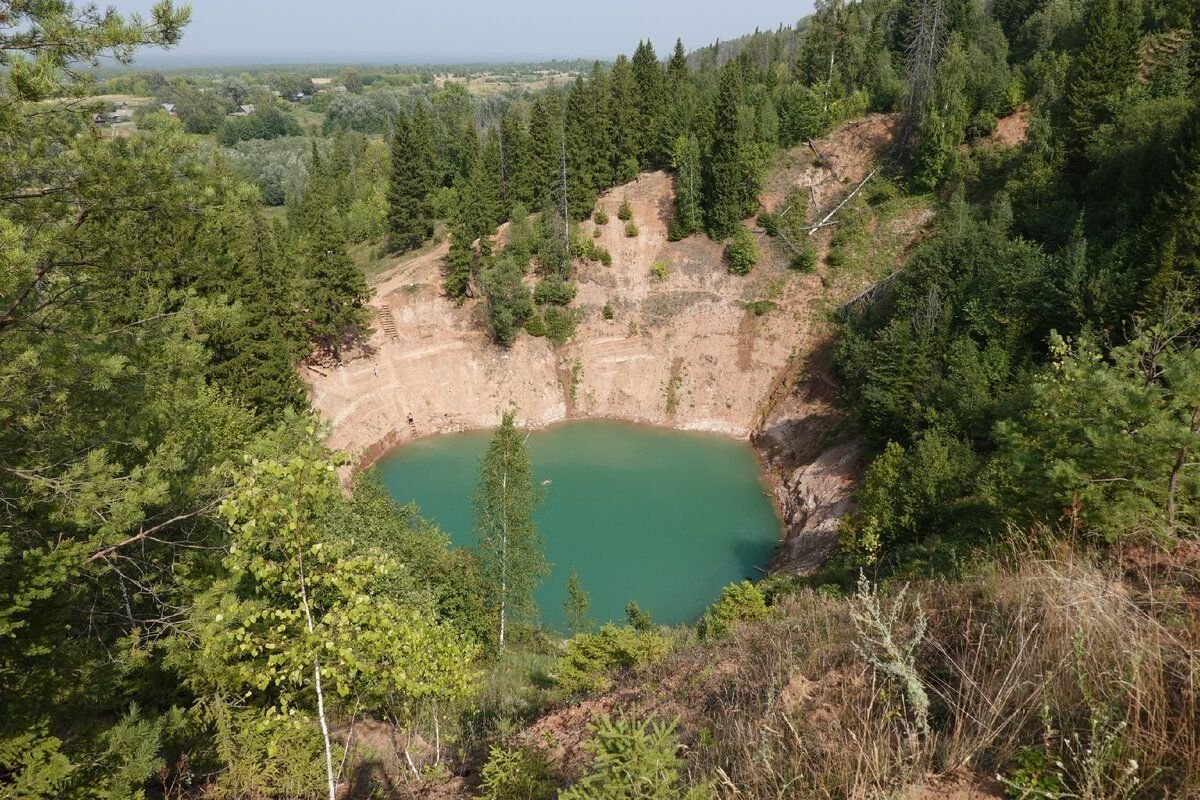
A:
(402, 31)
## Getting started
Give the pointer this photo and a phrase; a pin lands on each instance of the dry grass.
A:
(1048, 652)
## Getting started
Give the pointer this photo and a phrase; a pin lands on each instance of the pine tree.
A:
(576, 606)
(509, 546)
(623, 122)
(424, 144)
(483, 187)
(689, 212)
(1105, 66)
(650, 101)
(730, 185)
(408, 221)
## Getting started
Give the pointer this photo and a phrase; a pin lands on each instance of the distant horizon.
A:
(267, 32)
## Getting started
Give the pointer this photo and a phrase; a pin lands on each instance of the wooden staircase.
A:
(388, 323)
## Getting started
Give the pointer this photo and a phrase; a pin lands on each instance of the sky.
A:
(399, 31)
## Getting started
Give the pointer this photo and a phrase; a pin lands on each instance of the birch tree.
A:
(509, 546)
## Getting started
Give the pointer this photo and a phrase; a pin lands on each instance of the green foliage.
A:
(410, 183)
(625, 212)
(607, 311)
(561, 323)
(510, 549)
(265, 123)
(1105, 442)
(576, 606)
(742, 253)
(1105, 66)
(517, 774)
(600, 217)
(805, 259)
(739, 602)
(689, 185)
(589, 658)
(639, 619)
(760, 308)
(660, 270)
(634, 760)
(554, 291)
(908, 494)
(509, 302)
(535, 325)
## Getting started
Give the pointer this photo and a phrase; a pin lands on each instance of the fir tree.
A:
(509, 545)
(730, 186)
(460, 261)
(408, 221)
(336, 289)
(516, 168)
(545, 137)
(576, 606)
(1103, 69)
(583, 162)
(650, 101)
(677, 67)
(623, 121)
(689, 212)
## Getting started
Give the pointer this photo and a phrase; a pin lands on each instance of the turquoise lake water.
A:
(662, 517)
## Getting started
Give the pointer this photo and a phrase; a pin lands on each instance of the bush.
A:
(517, 774)
(600, 217)
(560, 323)
(660, 270)
(589, 657)
(554, 291)
(768, 223)
(508, 301)
(634, 761)
(805, 259)
(625, 212)
(608, 310)
(759, 307)
(742, 252)
(739, 602)
(631, 229)
(605, 256)
(535, 325)
(638, 618)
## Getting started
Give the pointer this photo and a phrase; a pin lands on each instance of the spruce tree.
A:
(545, 135)
(650, 101)
(336, 289)
(576, 606)
(459, 261)
(689, 212)
(1105, 66)
(483, 186)
(583, 165)
(408, 222)
(623, 122)
(677, 67)
(729, 183)
(516, 172)
(510, 548)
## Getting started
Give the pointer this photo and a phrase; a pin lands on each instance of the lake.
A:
(662, 517)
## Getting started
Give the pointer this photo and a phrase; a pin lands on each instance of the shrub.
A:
(600, 217)
(554, 291)
(508, 301)
(739, 602)
(608, 310)
(517, 774)
(585, 665)
(595, 233)
(535, 325)
(742, 252)
(631, 229)
(605, 256)
(560, 323)
(625, 212)
(638, 618)
(768, 223)
(805, 259)
(634, 761)
(759, 307)
(660, 270)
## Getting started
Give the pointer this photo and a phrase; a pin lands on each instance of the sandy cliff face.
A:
(683, 352)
